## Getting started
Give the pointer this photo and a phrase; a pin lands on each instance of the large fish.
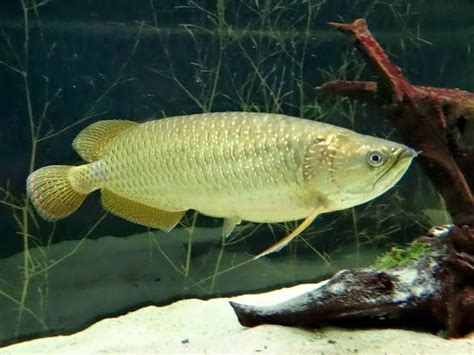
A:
(238, 166)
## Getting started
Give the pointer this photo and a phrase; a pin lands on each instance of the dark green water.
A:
(81, 61)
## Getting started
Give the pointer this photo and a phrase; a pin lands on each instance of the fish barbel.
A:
(257, 167)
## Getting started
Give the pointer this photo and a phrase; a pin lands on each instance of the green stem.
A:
(356, 233)
(190, 246)
(25, 209)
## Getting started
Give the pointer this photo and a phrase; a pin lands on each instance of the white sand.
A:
(196, 326)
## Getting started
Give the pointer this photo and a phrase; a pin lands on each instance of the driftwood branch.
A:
(439, 286)
(435, 121)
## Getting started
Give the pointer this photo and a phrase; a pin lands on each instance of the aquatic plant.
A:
(401, 256)
(271, 78)
(41, 129)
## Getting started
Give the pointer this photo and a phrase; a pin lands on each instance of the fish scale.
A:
(223, 164)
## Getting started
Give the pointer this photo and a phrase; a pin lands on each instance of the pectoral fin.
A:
(139, 213)
(282, 243)
(229, 225)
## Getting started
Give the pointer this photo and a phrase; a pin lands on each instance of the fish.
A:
(239, 166)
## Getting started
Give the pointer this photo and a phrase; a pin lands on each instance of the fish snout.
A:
(409, 153)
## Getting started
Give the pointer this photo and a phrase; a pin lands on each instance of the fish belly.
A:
(247, 165)
(276, 205)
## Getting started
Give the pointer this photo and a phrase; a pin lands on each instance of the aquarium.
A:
(65, 65)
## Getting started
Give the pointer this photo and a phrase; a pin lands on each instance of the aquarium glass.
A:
(67, 64)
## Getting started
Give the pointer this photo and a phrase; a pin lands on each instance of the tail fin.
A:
(51, 192)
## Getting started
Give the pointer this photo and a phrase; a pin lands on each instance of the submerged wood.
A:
(439, 122)
(357, 295)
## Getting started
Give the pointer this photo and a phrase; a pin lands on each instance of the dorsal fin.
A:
(92, 140)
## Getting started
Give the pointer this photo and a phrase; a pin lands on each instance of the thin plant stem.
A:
(189, 248)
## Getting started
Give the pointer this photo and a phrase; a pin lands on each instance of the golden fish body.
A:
(222, 165)
(239, 166)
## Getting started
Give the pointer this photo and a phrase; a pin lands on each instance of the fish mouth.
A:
(408, 153)
(405, 154)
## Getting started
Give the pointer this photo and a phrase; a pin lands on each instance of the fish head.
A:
(362, 167)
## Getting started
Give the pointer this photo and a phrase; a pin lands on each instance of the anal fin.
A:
(139, 213)
(298, 230)
(229, 225)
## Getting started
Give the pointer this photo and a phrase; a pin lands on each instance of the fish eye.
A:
(375, 158)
